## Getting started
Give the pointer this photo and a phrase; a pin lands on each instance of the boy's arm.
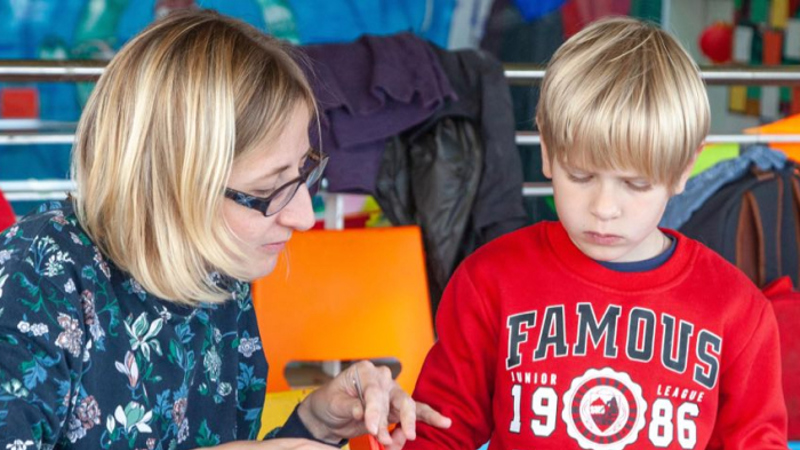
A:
(457, 378)
(752, 411)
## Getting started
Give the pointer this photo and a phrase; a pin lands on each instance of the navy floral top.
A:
(90, 360)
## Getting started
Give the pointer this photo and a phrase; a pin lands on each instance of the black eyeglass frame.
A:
(310, 174)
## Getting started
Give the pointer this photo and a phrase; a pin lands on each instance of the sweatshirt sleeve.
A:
(41, 344)
(752, 411)
(457, 378)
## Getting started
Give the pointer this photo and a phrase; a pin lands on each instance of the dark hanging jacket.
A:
(458, 174)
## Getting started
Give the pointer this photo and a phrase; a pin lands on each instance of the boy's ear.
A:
(686, 173)
(547, 170)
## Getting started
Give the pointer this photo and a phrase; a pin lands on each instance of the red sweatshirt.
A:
(541, 347)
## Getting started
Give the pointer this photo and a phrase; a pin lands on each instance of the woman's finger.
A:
(404, 410)
(377, 395)
(398, 440)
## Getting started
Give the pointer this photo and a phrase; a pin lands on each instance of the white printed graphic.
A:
(604, 410)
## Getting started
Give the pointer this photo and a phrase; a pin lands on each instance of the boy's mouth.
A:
(602, 238)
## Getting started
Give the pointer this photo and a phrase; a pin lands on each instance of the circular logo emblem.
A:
(604, 409)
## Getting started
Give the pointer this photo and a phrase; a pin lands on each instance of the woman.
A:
(125, 312)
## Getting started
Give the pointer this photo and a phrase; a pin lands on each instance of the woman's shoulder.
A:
(46, 243)
(53, 223)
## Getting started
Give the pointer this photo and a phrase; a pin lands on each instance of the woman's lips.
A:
(274, 247)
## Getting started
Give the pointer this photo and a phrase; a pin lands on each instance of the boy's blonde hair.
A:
(157, 140)
(624, 94)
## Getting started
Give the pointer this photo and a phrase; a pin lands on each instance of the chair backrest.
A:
(7, 217)
(347, 295)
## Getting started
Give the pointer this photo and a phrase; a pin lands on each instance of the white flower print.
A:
(212, 363)
(19, 444)
(12, 232)
(90, 316)
(23, 326)
(183, 431)
(129, 369)
(224, 389)
(165, 314)
(15, 388)
(179, 410)
(72, 337)
(58, 218)
(87, 351)
(75, 430)
(5, 255)
(75, 238)
(133, 416)
(55, 264)
(248, 346)
(39, 329)
(143, 334)
(110, 424)
(136, 287)
(69, 286)
(88, 412)
(3, 279)
(98, 258)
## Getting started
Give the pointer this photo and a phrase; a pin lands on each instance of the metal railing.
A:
(71, 71)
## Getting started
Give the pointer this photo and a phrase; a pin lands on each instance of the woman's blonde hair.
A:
(155, 144)
(624, 94)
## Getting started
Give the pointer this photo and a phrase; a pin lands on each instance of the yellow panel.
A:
(737, 98)
(779, 13)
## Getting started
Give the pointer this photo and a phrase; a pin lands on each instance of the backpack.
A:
(754, 223)
(786, 304)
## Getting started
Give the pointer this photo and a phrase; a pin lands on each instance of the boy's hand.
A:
(335, 411)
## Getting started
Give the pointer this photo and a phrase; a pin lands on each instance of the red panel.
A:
(19, 103)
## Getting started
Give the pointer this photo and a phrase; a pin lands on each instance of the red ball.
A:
(716, 42)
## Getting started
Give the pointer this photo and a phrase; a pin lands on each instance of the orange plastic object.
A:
(789, 125)
(347, 295)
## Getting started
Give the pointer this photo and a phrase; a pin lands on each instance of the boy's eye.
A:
(579, 178)
(639, 185)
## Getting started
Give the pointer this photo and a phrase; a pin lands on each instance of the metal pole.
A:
(50, 70)
(713, 75)
(88, 70)
(524, 138)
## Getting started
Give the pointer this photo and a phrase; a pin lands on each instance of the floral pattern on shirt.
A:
(91, 360)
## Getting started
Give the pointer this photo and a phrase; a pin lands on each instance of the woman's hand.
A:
(335, 411)
(274, 444)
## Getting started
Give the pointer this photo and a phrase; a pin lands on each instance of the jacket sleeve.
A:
(752, 411)
(41, 343)
(458, 376)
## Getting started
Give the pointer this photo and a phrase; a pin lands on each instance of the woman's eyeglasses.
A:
(272, 204)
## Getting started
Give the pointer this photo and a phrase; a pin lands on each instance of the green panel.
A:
(759, 11)
(646, 9)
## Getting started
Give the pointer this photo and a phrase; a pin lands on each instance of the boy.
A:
(602, 331)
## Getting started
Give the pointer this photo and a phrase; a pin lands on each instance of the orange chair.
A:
(788, 125)
(347, 295)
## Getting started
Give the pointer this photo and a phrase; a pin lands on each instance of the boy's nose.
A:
(604, 205)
